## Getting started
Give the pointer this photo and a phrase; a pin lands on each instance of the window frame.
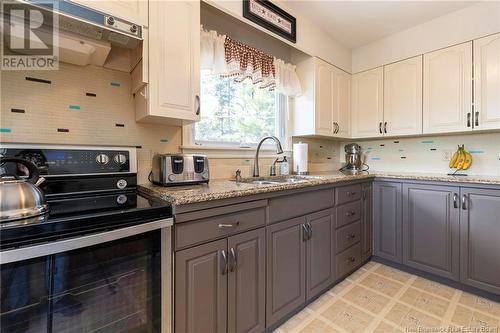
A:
(282, 130)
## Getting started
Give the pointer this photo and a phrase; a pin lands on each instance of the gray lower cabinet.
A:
(387, 220)
(431, 228)
(480, 238)
(286, 273)
(201, 289)
(320, 252)
(366, 221)
(247, 282)
(220, 286)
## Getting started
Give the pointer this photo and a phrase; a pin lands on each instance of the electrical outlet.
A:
(447, 154)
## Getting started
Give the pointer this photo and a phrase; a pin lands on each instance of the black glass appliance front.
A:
(110, 287)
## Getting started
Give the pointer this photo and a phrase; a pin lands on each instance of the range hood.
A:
(85, 35)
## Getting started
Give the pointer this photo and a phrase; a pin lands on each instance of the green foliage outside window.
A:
(233, 112)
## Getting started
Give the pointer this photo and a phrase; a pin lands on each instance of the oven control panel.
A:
(52, 161)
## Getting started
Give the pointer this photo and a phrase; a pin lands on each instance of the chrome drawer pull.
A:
(351, 236)
(228, 225)
(223, 262)
(351, 193)
(350, 213)
(351, 259)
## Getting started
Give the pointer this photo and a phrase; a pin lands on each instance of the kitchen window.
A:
(237, 114)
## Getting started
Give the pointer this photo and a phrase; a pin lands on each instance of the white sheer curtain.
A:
(225, 57)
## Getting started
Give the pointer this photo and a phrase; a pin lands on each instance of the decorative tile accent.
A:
(17, 110)
(91, 94)
(63, 130)
(34, 79)
(115, 84)
(120, 125)
(5, 130)
(74, 107)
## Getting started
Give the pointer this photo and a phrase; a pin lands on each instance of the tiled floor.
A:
(378, 298)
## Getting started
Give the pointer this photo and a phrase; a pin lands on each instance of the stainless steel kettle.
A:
(21, 198)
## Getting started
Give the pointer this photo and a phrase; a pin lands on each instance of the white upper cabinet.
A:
(132, 10)
(172, 95)
(447, 105)
(403, 97)
(487, 82)
(323, 109)
(367, 113)
(324, 98)
(342, 103)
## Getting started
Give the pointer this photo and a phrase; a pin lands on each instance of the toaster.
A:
(179, 169)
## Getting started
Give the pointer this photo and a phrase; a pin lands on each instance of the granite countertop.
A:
(224, 189)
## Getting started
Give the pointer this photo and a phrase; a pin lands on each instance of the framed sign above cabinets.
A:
(271, 17)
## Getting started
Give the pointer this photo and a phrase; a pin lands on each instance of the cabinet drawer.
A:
(348, 213)
(348, 260)
(198, 231)
(347, 236)
(286, 207)
(347, 193)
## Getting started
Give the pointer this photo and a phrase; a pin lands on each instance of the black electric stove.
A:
(88, 190)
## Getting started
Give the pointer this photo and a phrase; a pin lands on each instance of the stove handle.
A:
(45, 249)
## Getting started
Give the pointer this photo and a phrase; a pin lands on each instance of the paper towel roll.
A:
(300, 158)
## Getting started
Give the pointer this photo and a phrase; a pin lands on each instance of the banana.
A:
(454, 159)
(468, 160)
(461, 160)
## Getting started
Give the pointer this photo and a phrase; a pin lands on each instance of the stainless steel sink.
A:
(277, 180)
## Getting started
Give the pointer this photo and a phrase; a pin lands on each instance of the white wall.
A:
(310, 38)
(463, 25)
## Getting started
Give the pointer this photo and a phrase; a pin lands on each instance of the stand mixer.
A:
(353, 160)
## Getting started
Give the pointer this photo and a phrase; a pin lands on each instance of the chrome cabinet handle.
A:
(385, 127)
(455, 200)
(351, 259)
(338, 128)
(351, 193)
(351, 236)
(464, 202)
(380, 127)
(228, 225)
(310, 231)
(233, 259)
(305, 233)
(468, 119)
(350, 213)
(198, 108)
(223, 262)
(476, 119)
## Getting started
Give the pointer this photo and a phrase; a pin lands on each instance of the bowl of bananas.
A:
(461, 160)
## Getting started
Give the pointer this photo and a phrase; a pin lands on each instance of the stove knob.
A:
(121, 184)
(171, 177)
(102, 159)
(121, 199)
(120, 159)
(110, 20)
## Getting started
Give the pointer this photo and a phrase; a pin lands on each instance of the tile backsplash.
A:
(432, 154)
(79, 105)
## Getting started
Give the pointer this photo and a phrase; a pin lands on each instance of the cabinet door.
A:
(387, 223)
(366, 222)
(286, 268)
(246, 282)
(487, 82)
(320, 252)
(367, 103)
(201, 288)
(448, 89)
(342, 102)
(403, 97)
(480, 239)
(134, 10)
(431, 229)
(174, 48)
(324, 98)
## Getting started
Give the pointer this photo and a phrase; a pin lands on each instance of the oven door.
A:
(114, 281)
